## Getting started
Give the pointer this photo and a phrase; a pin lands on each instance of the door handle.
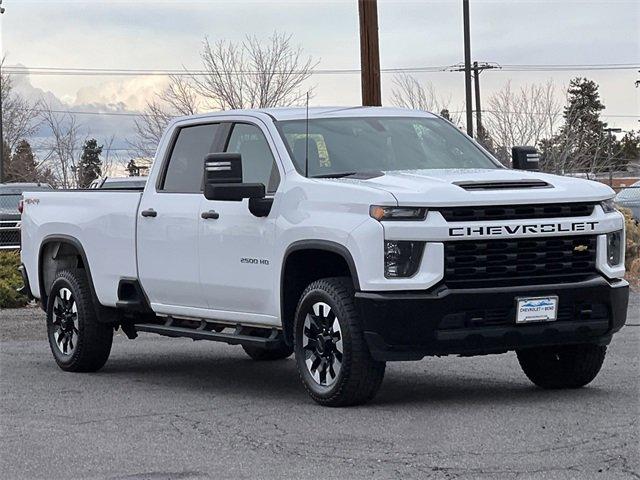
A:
(149, 213)
(210, 214)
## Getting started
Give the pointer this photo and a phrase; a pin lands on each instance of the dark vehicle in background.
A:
(629, 197)
(119, 183)
(10, 196)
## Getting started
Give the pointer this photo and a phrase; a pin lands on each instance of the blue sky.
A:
(168, 34)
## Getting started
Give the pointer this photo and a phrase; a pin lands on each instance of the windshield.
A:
(363, 144)
(9, 204)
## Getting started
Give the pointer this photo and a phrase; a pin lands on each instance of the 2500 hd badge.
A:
(522, 229)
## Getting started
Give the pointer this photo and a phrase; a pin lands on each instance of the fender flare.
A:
(74, 242)
(324, 245)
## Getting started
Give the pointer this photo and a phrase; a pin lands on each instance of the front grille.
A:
(498, 317)
(472, 263)
(516, 212)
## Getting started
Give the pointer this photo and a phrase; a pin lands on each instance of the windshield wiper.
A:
(363, 175)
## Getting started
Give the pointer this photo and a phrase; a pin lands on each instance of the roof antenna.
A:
(306, 154)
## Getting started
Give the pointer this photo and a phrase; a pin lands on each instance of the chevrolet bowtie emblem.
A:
(580, 248)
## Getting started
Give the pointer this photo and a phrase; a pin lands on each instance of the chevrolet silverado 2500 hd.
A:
(350, 236)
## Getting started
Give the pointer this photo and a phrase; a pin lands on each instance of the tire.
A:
(569, 366)
(328, 336)
(281, 352)
(79, 343)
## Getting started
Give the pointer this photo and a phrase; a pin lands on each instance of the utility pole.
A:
(369, 53)
(609, 131)
(478, 67)
(467, 66)
(476, 84)
(1, 134)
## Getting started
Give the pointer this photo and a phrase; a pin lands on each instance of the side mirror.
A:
(525, 158)
(223, 179)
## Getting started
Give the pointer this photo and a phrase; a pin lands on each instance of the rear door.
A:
(168, 260)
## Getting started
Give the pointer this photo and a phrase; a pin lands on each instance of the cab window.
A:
(186, 165)
(258, 164)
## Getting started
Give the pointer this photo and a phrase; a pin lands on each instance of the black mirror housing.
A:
(233, 191)
(223, 179)
(525, 158)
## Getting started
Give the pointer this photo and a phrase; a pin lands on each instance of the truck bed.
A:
(102, 221)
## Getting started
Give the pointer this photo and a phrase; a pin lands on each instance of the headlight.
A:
(397, 213)
(608, 206)
(614, 248)
(402, 258)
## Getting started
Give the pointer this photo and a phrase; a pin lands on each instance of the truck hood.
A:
(452, 187)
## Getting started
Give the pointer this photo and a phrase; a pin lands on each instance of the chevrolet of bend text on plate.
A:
(348, 237)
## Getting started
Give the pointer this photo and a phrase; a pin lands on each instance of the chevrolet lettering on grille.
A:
(492, 230)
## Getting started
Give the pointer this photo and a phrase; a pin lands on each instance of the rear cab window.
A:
(185, 168)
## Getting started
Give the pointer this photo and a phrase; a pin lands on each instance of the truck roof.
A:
(300, 113)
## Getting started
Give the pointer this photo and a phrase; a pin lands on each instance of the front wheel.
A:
(332, 357)
(569, 366)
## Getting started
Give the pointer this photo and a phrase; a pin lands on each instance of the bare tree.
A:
(177, 99)
(63, 145)
(521, 117)
(20, 117)
(409, 93)
(253, 74)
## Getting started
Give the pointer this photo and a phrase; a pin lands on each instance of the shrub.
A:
(633, 242)
(10, 280)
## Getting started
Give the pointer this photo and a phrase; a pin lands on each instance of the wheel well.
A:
(56, 255)
(302, 267)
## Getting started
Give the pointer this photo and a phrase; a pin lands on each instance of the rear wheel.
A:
(79, 343)
(569, 366)
(332, 356)
(280, 352)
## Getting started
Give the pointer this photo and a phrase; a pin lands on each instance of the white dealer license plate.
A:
(536, 309)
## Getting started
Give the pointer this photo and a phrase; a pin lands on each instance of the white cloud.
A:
(130, 93)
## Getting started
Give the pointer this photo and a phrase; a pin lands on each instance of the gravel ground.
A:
(176, 409)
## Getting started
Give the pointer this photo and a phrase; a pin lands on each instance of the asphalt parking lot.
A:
(176, 409)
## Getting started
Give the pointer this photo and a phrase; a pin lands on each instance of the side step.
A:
(204, 330)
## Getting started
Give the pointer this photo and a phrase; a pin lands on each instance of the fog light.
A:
(614, 248)
(402, 258)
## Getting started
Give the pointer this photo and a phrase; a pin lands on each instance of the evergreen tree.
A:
(90, 166)
(22, 166)
(581, 144)
(628, 151)
(582, 115)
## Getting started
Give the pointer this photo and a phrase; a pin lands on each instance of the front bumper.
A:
(443, 321)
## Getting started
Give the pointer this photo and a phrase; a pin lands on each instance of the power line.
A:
(142, 114)
(64, 71)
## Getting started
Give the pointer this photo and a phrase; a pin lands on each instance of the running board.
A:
(237, 335)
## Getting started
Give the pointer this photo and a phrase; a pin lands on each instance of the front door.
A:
(236, 248)
(167, 241)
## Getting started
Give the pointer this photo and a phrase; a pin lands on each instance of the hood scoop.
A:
(503, 184)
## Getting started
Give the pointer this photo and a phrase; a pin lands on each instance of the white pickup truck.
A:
(350, 236)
